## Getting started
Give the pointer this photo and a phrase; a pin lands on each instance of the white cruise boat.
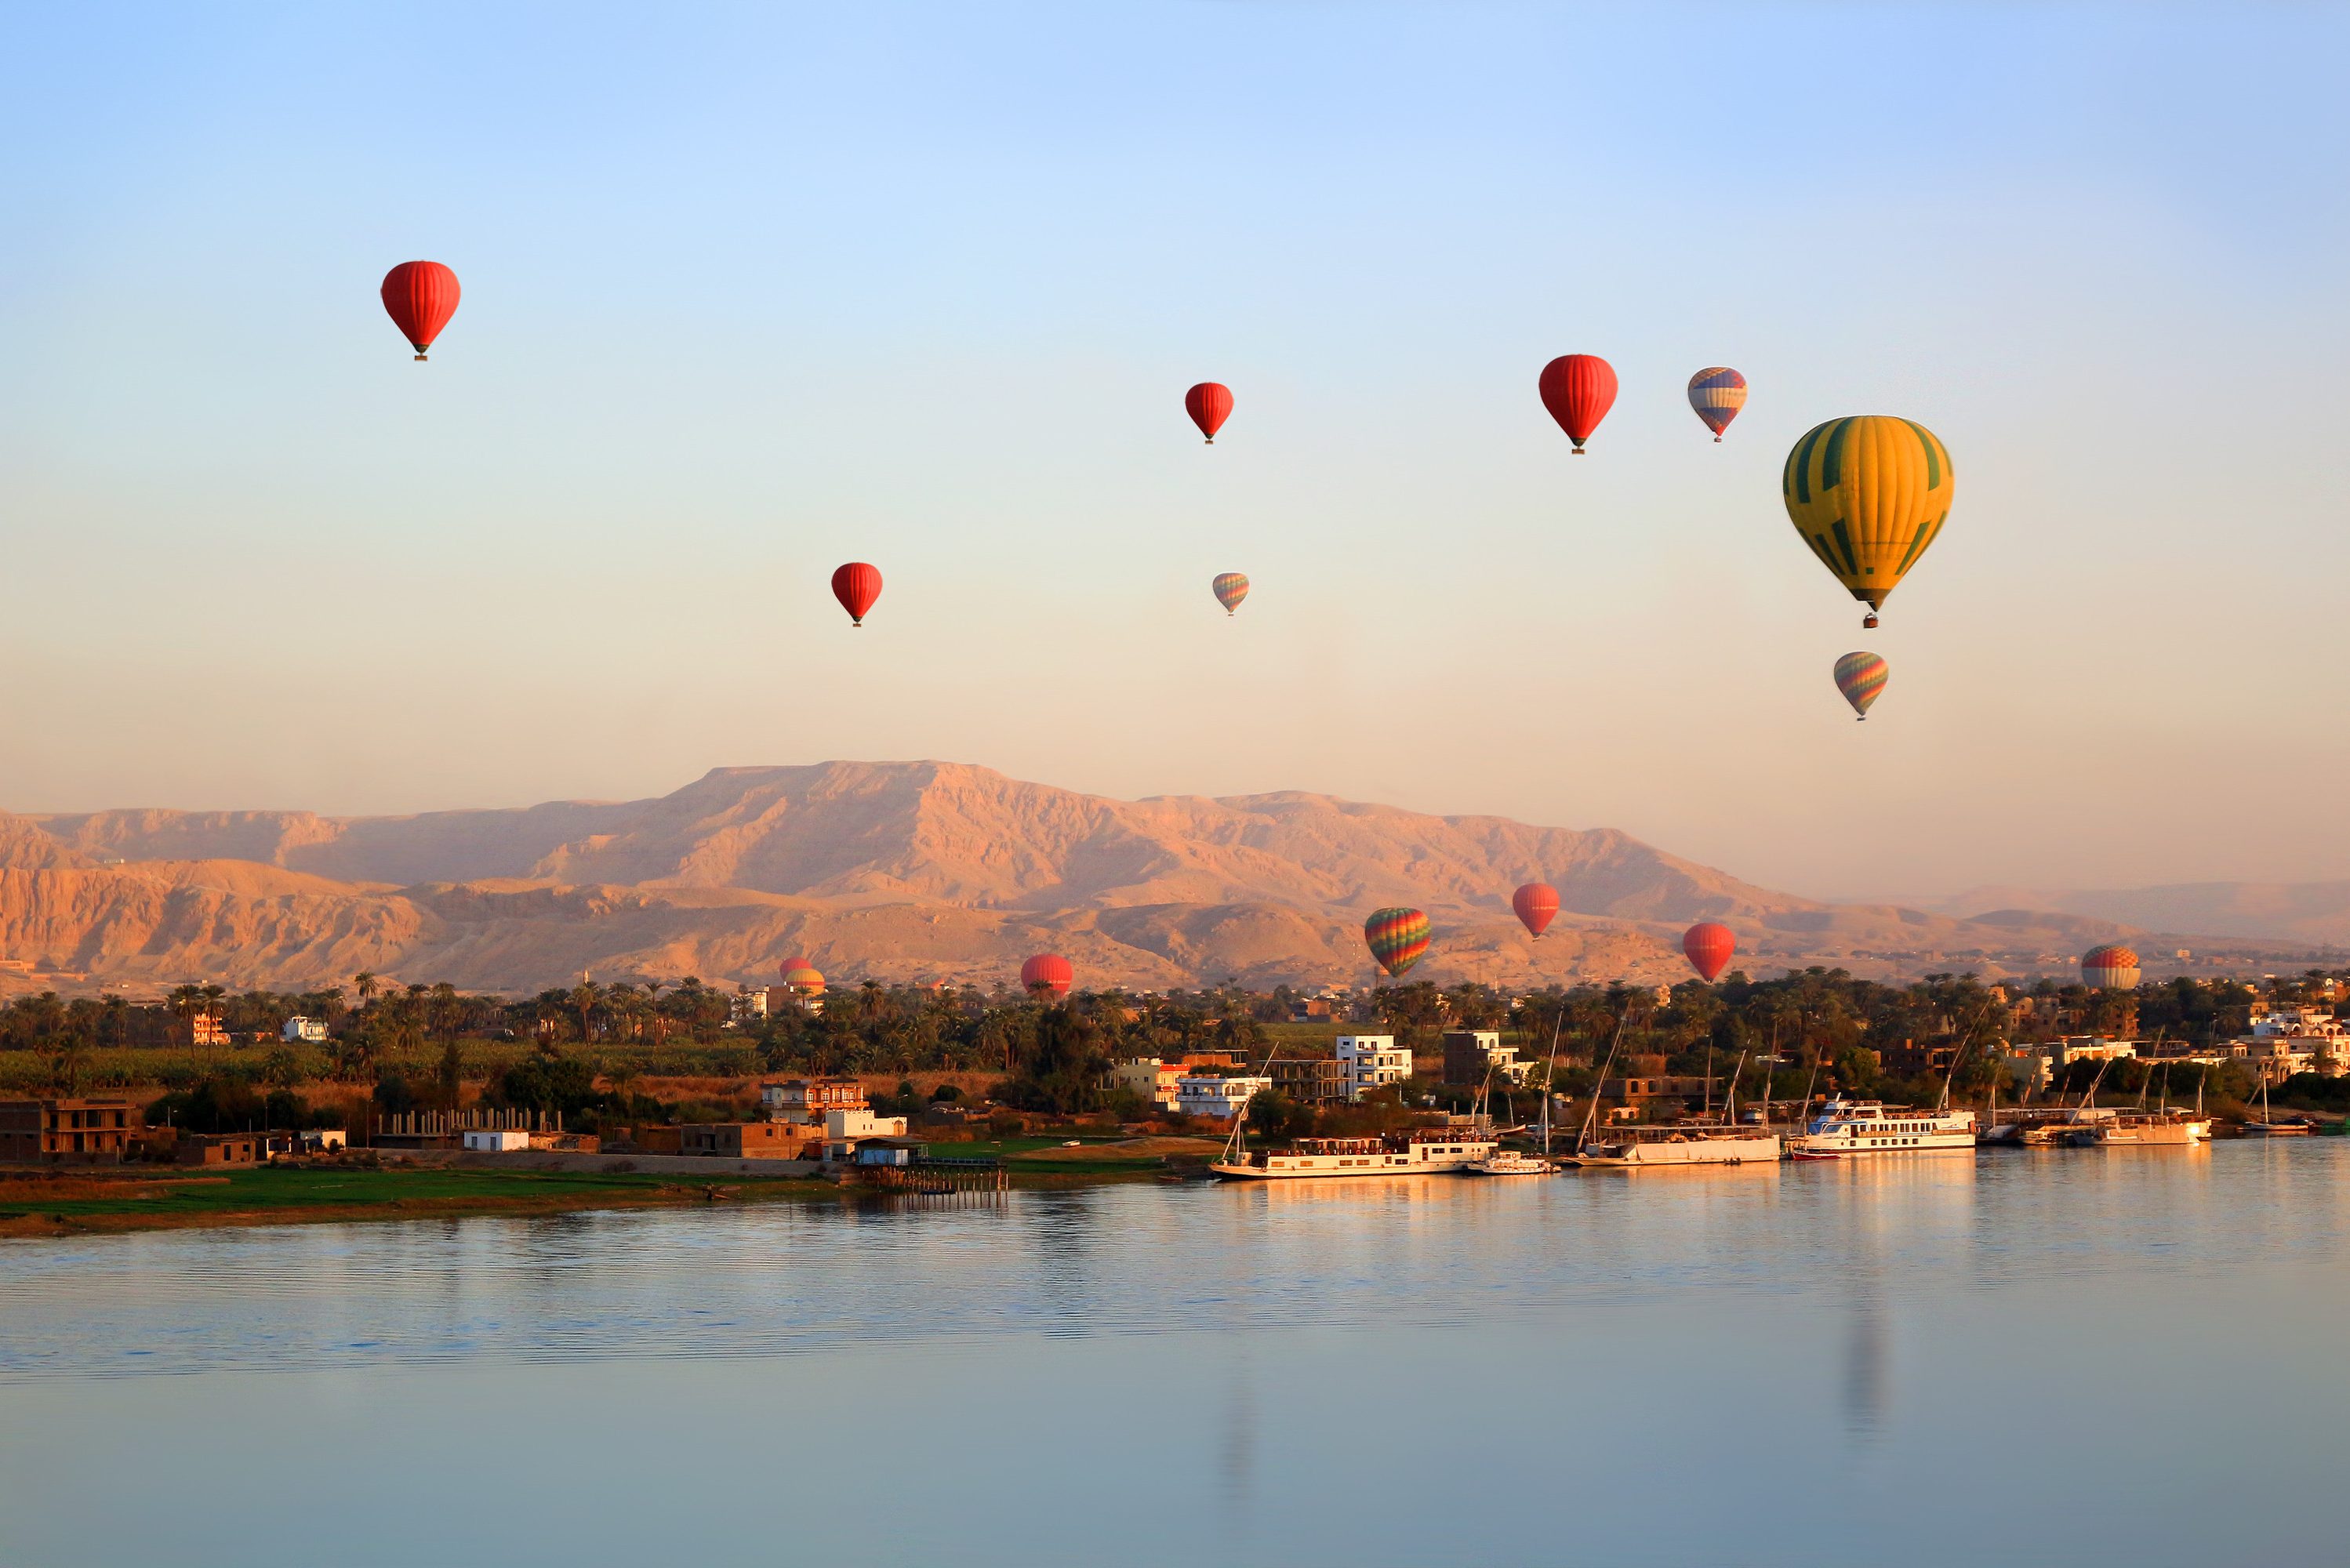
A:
(1417, 1152)
(1846, 1129)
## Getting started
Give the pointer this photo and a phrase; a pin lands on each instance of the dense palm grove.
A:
(583, 1049)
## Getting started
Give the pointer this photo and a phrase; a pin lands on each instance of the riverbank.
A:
(84, 1201)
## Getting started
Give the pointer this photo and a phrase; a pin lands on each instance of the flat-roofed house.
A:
(51, 1130)
(748, 1140)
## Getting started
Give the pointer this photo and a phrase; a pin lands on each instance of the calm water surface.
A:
(2125, 1357)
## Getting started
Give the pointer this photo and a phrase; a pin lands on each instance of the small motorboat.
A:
(1509, 1162)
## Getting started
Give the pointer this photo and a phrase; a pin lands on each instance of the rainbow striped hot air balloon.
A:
(1231, 588)
(1717, 394)
(1868, 493)
(1860, 677)
(1398, 938)
(2110, 968)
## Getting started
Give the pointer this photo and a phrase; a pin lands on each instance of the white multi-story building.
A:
(1205, 1094)
(1373, 1062)
(2286, 1041)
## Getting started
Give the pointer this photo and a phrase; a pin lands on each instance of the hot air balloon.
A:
(1860, 677)
(1578, 390)
(420, 296)
(1717, 394)
(1868, 493)
(1709, 946)
(1231, 588)
(1535, 903)
(1210, 404)
(2110, 968)
(856, 586)
(1398, 938)
(1047, 977)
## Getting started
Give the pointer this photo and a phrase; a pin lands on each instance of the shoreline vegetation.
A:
(1004, 1077)
(68, 1200)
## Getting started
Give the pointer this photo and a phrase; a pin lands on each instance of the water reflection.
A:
(1642, 1364)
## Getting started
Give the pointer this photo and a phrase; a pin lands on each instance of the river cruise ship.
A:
(1846, 1129)
(1422, 1150)
(1631, 1147)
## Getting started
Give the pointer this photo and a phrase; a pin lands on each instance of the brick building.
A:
(32, 1131)
(1313, 1080)
(751, 1140)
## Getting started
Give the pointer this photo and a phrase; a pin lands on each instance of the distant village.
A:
(804, 1075)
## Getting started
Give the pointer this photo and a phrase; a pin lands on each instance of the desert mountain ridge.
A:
(904, 872)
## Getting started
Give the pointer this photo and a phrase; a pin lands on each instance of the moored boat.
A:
(1509, 1162)
(1420, 1151)
(1848, 1129)
(2141, 1129)
(1709, 1143)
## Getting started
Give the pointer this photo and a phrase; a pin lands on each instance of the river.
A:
(2103, 1357)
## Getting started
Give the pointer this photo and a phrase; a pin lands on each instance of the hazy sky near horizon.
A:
(750, 291)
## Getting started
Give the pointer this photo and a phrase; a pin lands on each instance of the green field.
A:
(170, 1197)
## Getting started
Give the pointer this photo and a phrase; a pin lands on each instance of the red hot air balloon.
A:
(1047, 977)
(1535, 903)
(856, 586)
(1578, 390)
(420, 296)
(1709, 947)
(1210, 404)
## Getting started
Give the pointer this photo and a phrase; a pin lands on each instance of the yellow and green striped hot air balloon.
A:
(1868, 492)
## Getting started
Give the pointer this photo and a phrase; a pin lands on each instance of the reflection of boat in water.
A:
(1848, 1129)
(1706, 1143)
(1509, 1162)
(1418, 1152)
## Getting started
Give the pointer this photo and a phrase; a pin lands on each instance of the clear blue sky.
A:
(749, 294)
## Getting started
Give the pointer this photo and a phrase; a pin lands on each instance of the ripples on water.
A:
(1429, 1253)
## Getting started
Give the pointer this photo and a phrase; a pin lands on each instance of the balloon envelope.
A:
(1535, 904)
(1578, 390)
(1231, 588)
(856, 586)
(1396, 937)
(1047, 975)
(1717, 394)
(1210, 404)
(1709, 946)
(419, 297)
(2110, 968)
(1868, 493)
(1860, 677)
